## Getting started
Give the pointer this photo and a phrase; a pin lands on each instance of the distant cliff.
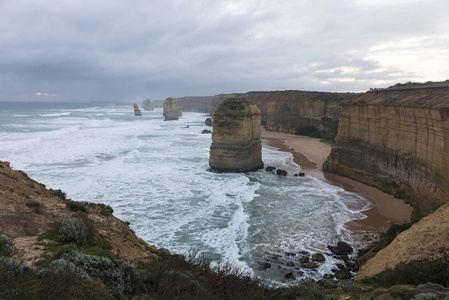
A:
(296, 112)
(397, 140)
(195, 103)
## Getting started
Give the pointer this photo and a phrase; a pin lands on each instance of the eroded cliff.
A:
(397, 141)
(236, 145)
(296, 112)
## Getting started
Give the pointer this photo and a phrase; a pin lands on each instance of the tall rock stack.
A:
(236, 145)
(147, 104)
(137, 111)
(172, 110)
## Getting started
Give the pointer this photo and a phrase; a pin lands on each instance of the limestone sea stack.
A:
(147, 104)
(236, 145)
(137, 111)
(172, 110)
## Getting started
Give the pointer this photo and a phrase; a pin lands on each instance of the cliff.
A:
(195, 103)
(428, 239)
(296, 112)
(147, 104)
(397, 141)
(172, 110)
(236, 145)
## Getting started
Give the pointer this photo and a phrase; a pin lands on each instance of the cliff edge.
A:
(397, 141)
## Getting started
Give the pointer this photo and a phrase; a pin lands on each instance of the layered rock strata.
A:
(137, 111)
(147, 104)
(236, 145)
(172, 110)
(296, 112)
(397, 141)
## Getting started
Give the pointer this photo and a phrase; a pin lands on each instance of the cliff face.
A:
(236, 145)
(172, 110)
(427, 239)
(195, 104)
(398, 142)
(297, 112)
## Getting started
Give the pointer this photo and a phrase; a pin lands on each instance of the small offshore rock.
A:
(206, 131)
(281, 172)
(304, 260)
(342, 248)
(289, 276)
(209, 122)
(137, 111)
(266, 265)
(318, 257)
(310, 265)
(270, 169)
(291, 264)
(300, 174)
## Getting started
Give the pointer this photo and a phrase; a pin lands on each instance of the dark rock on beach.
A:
(342, 248)
(318, 257)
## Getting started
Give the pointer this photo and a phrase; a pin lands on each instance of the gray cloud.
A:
(130, 50)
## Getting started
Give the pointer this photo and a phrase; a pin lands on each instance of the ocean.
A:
(155, 175)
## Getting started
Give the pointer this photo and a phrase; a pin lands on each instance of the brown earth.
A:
(23, 224)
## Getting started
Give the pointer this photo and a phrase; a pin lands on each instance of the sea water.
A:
(155, 175)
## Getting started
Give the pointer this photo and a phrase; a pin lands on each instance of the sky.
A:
(130, 50)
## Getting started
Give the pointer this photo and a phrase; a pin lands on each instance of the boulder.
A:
(300, 174)
(270, 169)
(206, 131)
(236, 145)
(310, 265)
(209, 122)
(281, 172)
(318, 257)
(342, 248)
(304, 260)
(137, 111)
(343, 274)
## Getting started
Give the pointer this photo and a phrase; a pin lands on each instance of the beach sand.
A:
(310, 154)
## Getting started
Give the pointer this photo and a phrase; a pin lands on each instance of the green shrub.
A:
(34, 205)
(6, 245)
(59, 193)
(73, 231)
(76, 206)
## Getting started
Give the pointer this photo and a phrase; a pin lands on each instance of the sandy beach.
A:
(310, 154)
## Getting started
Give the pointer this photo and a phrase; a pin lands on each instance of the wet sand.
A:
(310, 154)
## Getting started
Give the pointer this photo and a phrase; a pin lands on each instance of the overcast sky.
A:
(123, 51)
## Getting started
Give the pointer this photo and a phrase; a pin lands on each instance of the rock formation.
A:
(172, 110)
(147, 104)
(208, 122)
(137, 111)
(236, 145)
(296, 112)
(427, 239)
(397, 141)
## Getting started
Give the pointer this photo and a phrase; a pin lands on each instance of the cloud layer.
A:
(119, 50)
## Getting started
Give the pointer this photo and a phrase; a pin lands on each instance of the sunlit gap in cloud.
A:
(418, 59)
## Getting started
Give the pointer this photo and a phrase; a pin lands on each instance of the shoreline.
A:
(310, 153)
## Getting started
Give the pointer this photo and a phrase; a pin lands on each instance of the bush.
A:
(36, 206)
(59, 193)
(73, 231)
(76, 206)
(6, 245)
